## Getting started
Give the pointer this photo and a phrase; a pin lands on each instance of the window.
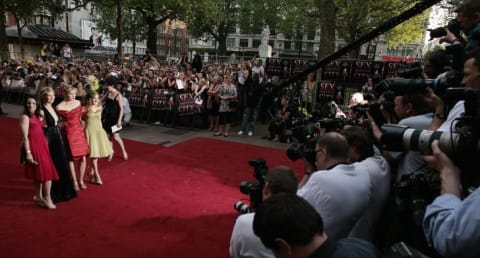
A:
(230, 43)
(310, 46)
(288, 45)
(256, 43)
(243, 42)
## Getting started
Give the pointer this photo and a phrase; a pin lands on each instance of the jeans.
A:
(246, 124)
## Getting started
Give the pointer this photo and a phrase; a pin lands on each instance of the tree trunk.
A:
(3, 34)
(119, 29)
(134, 46)
(222, 44)
(326, 9)
(152, 35)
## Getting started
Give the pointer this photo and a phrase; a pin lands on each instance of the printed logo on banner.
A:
(273, 66)
(391, 69)
(299, 65)
(331, 71)
(186, 103)
(362, 70)
(160, 99)
(326, 91)
(136, 97)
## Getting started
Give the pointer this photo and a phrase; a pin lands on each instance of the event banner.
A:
(390, 69)
(138, 97)
(160, 99)
(330, 91)
(278, 67)
(300, 65)
(186, 103)
(337, 70)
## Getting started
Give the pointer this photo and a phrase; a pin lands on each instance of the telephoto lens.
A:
(241, 207)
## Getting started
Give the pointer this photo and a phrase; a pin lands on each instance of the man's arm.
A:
(450, 224)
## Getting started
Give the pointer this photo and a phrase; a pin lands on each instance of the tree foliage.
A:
(132, 22)
(215, 18)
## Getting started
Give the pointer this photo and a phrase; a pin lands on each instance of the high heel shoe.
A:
(75, 186)
(82, 185)
(49, 204)
(38, 201)
(91, 178)
(98, 181)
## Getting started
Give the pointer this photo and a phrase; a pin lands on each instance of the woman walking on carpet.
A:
(70, 110)
(38, 164)
(62, 190)
(97, 138)
(112, 114)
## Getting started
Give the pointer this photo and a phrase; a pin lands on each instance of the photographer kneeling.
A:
(243, 242)
(450, 223)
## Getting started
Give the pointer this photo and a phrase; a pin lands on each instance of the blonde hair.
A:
(42, 95)
(69, 88)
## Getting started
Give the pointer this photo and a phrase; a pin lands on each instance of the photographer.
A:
(290, 227)
(414, 112)
(243, 242)
(471, 79)
(468, 19)
(343, 192)
(450, 223)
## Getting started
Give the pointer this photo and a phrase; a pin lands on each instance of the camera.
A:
(403, 86)
(374, 109)
(460, 144)
(453, 26)
(253, 189)
(305, 150)
(415, 191)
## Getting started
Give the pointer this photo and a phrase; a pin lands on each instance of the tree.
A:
(353, 18)
(215, 18)
(156, 12)
(327, 12)
(22, 11)
(132, 24)
(3, 34)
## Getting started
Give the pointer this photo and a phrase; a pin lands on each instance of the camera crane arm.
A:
(416, 9)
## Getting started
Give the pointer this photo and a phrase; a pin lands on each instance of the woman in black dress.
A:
(113, 113)
(62, 190)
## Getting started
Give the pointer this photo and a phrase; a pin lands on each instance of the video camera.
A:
(253, 189)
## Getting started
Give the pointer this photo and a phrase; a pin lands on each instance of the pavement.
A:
(168, 136)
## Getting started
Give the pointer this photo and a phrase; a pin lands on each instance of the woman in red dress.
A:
(70, 110)
(38, 165)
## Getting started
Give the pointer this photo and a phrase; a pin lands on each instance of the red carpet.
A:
(162, 202)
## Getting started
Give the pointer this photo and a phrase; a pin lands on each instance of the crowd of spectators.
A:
(211, 95)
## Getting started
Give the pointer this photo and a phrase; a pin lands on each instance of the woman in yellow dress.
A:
(100, 146)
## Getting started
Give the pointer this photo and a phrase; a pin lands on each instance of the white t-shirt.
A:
(454, 113)
(244, 243)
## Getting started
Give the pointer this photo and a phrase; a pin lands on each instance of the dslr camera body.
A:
(253, 189)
